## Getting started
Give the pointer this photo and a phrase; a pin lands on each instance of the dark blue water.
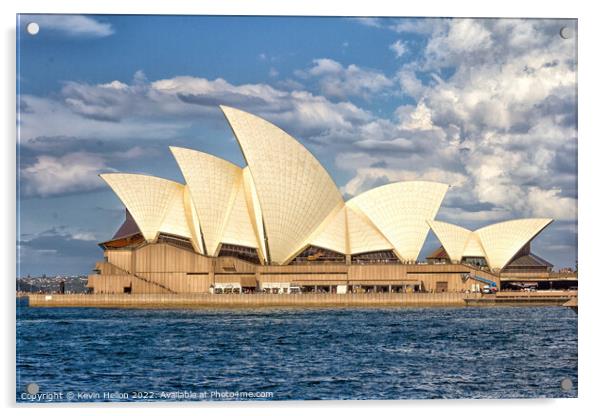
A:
(296, 354)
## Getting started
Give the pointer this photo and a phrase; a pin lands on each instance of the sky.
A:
(488, 106)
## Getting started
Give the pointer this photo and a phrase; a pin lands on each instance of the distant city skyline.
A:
(488, 106)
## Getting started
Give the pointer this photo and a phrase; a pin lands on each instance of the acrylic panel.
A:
(217, 208)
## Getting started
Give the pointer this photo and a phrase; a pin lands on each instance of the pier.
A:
(315, 300)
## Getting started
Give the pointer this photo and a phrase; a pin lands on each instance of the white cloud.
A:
(370, 177)
(419, 119)
(114, 85)
(325, 66)
(166, 108)
(87, 118)
(73, 172)
(421, 26)
(52, 166)
(307, 113)
(462, 216)
(84, 235)
(464, 35)
(72, 25)
(341, 82)
(399, 48)
(368, 21)
(409, 83)
(548, 203)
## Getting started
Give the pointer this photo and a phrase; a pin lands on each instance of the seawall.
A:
(304, 300)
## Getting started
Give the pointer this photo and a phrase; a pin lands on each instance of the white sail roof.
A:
(400, 211)
(156, 204)
(295, 192)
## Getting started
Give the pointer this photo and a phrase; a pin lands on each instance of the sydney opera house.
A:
(281, 225)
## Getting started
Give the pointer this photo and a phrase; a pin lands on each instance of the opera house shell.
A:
(283, 208)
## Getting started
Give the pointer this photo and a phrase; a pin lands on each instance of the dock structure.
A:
(190, 301)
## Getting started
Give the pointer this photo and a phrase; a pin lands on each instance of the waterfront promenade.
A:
(299, 300)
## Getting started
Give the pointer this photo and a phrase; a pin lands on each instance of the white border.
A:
(589, 184)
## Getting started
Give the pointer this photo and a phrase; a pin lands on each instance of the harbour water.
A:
(88, 354)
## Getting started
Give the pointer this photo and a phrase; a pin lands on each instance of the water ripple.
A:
(416, 353)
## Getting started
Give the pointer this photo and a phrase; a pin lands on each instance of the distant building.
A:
(281, 223)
